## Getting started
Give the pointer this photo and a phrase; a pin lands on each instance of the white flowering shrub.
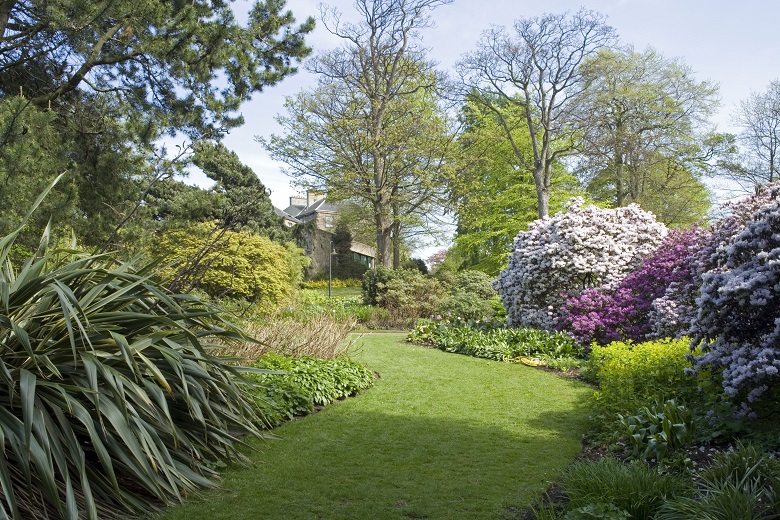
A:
(583, 247)
(738, 320)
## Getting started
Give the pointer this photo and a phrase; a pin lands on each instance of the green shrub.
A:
(659, 430)
(471, 297)
(305, 382)
(226, 263)
(411, 296)
(634, 488)
(631, 375)
(108, 380)
(375, 282)
(489, 340)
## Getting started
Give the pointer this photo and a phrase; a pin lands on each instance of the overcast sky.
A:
(733, 43)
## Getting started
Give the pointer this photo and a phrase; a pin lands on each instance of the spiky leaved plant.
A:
(110, 400)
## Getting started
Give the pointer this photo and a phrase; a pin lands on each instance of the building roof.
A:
(284, 214)
(320, 206)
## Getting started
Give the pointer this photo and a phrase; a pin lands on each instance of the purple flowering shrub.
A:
(624, 312)
(738, 320)
(581, 248)
(675, 312)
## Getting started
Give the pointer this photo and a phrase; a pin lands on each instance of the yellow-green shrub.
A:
(227, 263)
(632, 375)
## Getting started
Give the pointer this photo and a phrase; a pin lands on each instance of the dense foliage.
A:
(471, 297)
(299, 384)
(493, 341)
(227, 263)
(107, 379)
(630, 375)
(737, 324)
(623, 312)
(574, 250)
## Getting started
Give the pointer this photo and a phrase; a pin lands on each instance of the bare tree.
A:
(759, 118)
(536, 70)
(371, 130)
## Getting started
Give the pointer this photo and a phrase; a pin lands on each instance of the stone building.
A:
(318, 219)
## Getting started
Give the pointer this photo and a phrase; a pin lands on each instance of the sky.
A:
(732, 43)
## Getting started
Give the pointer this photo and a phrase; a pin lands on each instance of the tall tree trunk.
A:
(542, 190)
(620, 192)
(396, 244)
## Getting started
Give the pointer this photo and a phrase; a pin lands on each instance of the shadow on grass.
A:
(384, 466)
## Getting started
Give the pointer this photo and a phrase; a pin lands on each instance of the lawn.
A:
(344, 292)
(440, 436)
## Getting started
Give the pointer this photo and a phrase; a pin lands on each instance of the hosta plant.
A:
(110, 401)
(659, 430)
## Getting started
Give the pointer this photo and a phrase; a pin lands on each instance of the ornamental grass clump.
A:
(110, 400)
(582, 248)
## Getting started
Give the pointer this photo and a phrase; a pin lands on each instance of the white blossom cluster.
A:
(584, 246)
(738, 320)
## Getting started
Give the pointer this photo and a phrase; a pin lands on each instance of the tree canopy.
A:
(537, 71)
(371, 130)
(642, 136)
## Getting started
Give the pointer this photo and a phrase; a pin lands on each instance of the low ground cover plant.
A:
(297, 385)
(493, 340)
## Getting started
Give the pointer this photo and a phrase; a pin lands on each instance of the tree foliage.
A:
(371, 131)
(641, 132)
(493, 192)
(536, 71)
(163, 60)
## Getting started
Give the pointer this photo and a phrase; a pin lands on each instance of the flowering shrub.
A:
(610, 314)
(584, 247)
(674, 313)
(738, 320)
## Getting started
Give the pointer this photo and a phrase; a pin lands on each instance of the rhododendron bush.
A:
(675, 312)
(738, 319)
(625, 312)
(581, 248)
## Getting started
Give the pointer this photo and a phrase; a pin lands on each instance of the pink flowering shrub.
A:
(581, 248)
(624, 312)
(738, 319)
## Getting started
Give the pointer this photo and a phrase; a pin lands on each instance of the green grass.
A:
(440, 436)
(343, 292)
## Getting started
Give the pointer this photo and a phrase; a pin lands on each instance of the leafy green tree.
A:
(247, 204)
(493, 192)
(536, 71)
(641, 133)
(113, 77)
(32, 155)
(371, 131)
(163, 59)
